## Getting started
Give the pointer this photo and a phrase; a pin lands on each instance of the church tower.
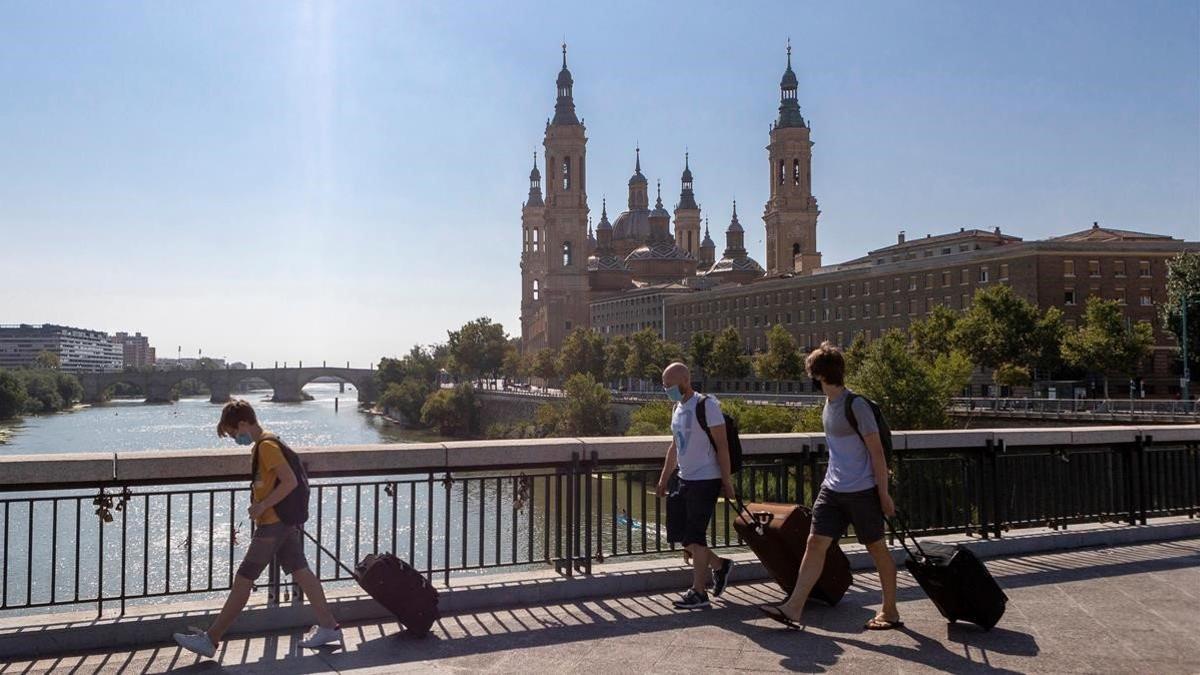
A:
(556, 299)
(791, 212)
(687, 214)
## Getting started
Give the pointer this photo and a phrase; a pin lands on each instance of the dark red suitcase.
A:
(778, 535)
(396, 585)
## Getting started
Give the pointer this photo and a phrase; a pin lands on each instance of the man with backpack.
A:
(700, 448)
(854, 492)
(278, 507)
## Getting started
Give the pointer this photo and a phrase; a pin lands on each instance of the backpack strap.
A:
(850, 417)
(702, 418)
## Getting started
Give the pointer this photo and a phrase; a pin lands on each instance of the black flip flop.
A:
(880, 623)
(775, 613)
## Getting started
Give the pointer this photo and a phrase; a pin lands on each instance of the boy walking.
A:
(854, 492)
(273, 538)
(704, 475)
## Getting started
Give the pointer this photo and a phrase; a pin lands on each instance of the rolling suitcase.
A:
(778, 535)
(955, 580)
(396, 585)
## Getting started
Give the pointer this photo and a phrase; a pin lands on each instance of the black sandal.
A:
(883, 623)
(776, 613)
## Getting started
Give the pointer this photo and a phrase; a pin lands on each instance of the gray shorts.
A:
(277, 540)
(833, 512)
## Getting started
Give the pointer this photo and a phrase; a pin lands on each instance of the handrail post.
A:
(983, 460)
(1143, 482)
(999, 515)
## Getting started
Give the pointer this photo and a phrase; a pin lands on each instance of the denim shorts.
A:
(833, 511)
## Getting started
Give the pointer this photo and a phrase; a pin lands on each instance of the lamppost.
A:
(1186, 381)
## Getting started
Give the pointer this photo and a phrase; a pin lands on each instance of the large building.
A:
(890, 287)
(78, 350)
(570, 275)
(136, 350)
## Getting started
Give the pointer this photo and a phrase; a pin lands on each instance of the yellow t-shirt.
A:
(270, 457)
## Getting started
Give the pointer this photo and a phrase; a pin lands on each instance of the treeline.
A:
(37, 391)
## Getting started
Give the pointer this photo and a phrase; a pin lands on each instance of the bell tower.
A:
(791, 211)
(563, 294)
(687, 214)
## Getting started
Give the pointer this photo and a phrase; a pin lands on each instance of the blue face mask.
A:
(243, 439)
(674, 393)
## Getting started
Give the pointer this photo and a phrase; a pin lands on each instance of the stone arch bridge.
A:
(286, 382)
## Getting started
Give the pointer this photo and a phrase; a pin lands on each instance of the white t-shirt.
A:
(696, 456)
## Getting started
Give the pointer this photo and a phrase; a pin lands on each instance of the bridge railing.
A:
(107, 530)
(1164, 407)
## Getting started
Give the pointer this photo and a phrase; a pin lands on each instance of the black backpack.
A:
(885, 431)
(731, 434)
(293, 508)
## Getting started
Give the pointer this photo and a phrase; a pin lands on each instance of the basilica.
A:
(566, 266)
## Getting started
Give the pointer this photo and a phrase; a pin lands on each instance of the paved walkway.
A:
(1129, 609)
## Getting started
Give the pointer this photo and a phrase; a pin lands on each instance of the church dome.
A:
(633, 224)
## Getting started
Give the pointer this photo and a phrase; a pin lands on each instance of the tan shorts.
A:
(277, 540)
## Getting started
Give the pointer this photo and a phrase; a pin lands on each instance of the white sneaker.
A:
(323, 636)
(197, 643)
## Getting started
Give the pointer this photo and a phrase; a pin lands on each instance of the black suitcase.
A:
(396, 585)
(955, 580)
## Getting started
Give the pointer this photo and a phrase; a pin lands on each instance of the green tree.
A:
(585, 410)
(699, 355)
(47, 360)
(781, 361)
(1009, 375)
(999, 328)
(69, 388)
(545, 365)
(910, 390)
(41, 392)
(651, 419)
(645, 351)
(582, 352)
(761, 419)
(616, 359)
(12, 395)
(205, 363)
(455, 412)
(1105, 342)
(407, 398)
(516, 364)
(727, 358)
(476, 349)
(932, 336)
(1183, 285)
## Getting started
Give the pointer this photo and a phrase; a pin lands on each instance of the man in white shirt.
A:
(704, 474)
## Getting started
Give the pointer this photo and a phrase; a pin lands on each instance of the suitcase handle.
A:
(761, 519)
(328, 552)
(904, 533)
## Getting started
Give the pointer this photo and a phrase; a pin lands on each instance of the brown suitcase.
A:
(778, 534)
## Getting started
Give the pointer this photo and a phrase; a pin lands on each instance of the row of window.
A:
(1145, 296)
(912, 255)
(1117, 267)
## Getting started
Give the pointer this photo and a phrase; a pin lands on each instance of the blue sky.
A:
(320, 180)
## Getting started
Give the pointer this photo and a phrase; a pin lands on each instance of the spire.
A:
(604, 224)
(687, 199)
(735, 236)
(535, 185)
(637, 167)
(637, 176)
(789, 106)
(658, 202)
(564, 108)
(564, 45)
(659, 211)
(708, 242)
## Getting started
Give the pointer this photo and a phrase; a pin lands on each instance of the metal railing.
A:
(1080, 406)
(176, 525)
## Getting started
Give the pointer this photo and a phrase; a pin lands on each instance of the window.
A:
(812, 315)
(1068, 268)
(928, 253)
(566, 254)
(782, 172)
(1069, 297)
(1003, 271)
(537, 290)
(1119, 292)
(839, 290)
(838, 314)
(964, 301)
(946, 250)
(825, 314)
(1093, 268)
(853, 309)
(1144, 269)
(866, 311)
(912, 306)
(983, 275)
(795, 172)
(536, 239)
(1145, 299)
(566, 173)
(964, 277)
(912, 283)
(928, 281)
(853, 289)
(946, 278)
(1119, 268)
(824, 292)
(895, 308)
(882, 309)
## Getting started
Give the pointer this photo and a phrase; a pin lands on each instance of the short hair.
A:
(828, 363)
(234, 413)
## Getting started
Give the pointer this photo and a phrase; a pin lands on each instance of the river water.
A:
(130, 425)
(169, 540)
